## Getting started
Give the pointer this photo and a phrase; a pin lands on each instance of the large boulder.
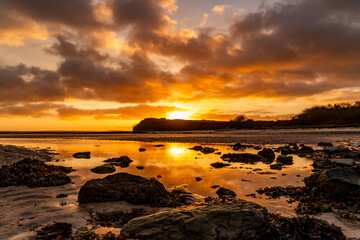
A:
(337, 182)
(125, 187)
(242, 157)
(215, 221)
(34, 173)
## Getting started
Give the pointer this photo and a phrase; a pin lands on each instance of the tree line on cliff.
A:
(342, 114)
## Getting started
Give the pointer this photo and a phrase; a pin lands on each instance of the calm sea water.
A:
(175, 162)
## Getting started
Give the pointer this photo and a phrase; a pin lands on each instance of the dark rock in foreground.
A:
(116, 219)
(53, 231)
(215, 221)
(82, 155)
(325, 144)
(104, 169)
(34, 173)
(125, 187)
(301, 228)
(336, 182)
(242, 157)
(123, 161)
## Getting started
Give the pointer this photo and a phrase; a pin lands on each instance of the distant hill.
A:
(337, 115)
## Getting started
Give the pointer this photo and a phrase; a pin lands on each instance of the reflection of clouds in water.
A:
(176, 164)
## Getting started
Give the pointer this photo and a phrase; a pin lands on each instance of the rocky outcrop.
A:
(123, 161)
(34, 173)
(337, 182)
(125, 187)
(224, 192)
(203, 221)
(104, 169)
(241, 157)
(219, 165)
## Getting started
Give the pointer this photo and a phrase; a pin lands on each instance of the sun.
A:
(179, 115)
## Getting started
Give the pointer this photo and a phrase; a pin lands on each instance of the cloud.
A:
(109, 51)
(122, 113)
(35, 110)
(220, 8)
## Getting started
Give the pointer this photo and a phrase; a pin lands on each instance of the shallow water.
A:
(175, 162)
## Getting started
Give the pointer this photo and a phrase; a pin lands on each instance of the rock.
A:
(325, 144)
(81, 155)
(116, 219)
(61, 195)
(215, 186)
(159, 176)
(333, 150)
(306, 149)
(142, 149)
(207, 150)
(219, 165)
(196, 148)
(123, 161)
(125, 187)
(257, 148)
(222, 192)
(238, 146)
(267, 154)
(323, 164)
(264, 173)
(303, 228)
(34, 173)
(242, 157)
(54, 230)
(104, 169)
(344, 162)
(353, 154)
(276, 166)
(159, 145)
(287, 160)
(198, 179)
(340, 182)
(140, 167)
(202, 221)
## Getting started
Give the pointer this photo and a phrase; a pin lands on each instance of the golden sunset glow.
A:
(179, 115)
(108, 64)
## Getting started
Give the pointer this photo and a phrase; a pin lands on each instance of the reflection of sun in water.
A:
(176, 151)
(179, 115)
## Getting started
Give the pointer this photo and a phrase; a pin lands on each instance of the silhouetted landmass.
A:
(337, 115)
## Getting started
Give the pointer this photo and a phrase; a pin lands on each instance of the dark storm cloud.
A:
(67, 49)
(75, 13)
(290, 49)
(137, 81)
(21, 83)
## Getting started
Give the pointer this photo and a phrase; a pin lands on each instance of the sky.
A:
(107, 64)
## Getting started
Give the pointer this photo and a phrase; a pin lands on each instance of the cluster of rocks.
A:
(336, 188)
(34, 173)
(123, 162)
(10, 154)
(115, 219)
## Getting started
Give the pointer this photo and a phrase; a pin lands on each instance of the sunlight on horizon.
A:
(179, 115)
